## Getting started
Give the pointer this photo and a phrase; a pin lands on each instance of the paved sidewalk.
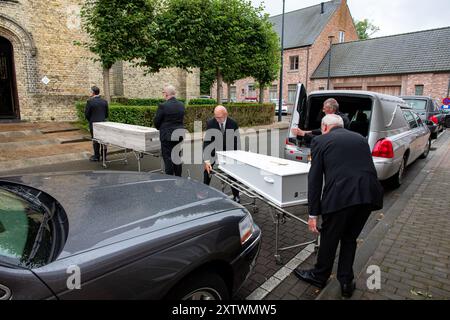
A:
(414, 252)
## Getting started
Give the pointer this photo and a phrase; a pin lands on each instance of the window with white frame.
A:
(273, 93)
(294, 60)
(233, 93)
(251, 90)
(341, 36)
(292, 91)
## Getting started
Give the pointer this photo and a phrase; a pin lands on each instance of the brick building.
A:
(42, 73)
(306, 42)
(416, 63)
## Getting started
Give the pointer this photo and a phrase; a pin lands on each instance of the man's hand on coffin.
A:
(312, 225)
(208, 167)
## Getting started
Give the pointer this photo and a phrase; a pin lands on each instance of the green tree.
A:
(122, 30)
(265, 65)
(206, 81)
(214, 35)
(365, 29)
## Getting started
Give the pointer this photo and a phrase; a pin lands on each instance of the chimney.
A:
(322, 8)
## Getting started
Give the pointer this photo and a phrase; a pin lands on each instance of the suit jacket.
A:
(210, 137)
(168, 118)
(344, 159)
(96, 110)
(318, 132)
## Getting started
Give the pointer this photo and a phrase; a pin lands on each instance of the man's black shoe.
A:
(308, 276)
(237, 199)
(348, 289)
(94, 159)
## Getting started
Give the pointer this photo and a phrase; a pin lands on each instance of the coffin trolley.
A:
(279, 183)
(138, 140)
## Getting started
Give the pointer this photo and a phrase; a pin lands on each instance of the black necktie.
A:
(222, 128)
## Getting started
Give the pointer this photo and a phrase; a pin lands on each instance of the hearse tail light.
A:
(383, 149)
(434, 119)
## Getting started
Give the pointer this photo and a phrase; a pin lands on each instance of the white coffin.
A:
(283, 182)
(128, 136)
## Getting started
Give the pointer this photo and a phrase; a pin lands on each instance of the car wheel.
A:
(200, 286)
(426, 151)
(447, 122)
(397, 179)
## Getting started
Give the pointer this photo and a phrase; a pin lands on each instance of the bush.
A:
(140, 102)
(137, 115)
(202, 101)
(246, 114)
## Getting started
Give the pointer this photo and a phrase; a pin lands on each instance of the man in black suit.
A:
(96, 111)
(330, 106)
(351, 192)
(222, 133)
(168, 119)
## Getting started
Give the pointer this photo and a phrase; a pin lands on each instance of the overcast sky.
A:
(391, 16)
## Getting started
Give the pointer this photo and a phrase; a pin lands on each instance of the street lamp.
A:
(329, 62)
(280, 98)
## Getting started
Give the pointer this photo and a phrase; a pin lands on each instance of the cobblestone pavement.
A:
(413, 253)
(413, 248)
(414, 256)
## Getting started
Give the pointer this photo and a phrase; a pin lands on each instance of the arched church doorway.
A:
(9, 107)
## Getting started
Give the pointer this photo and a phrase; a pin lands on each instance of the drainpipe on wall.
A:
(280, 98)
(329, 62)
(307, 69)
(448, 89)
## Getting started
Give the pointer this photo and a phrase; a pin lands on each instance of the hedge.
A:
(156, 101)
(141, 102)
(246, 114)
(202, 101)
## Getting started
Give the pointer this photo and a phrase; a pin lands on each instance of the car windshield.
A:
(416, 104)
(25, 233)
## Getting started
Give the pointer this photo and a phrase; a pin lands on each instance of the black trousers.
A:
(341, 227)
(96, 145)
(207, 181)
(170, 168)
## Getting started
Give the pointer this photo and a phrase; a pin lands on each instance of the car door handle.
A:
(5, 293)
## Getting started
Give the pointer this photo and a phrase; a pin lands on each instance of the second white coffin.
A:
(128, 136)
(283, 182)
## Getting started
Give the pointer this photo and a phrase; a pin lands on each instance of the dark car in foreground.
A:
(121, 235)
(429, 111)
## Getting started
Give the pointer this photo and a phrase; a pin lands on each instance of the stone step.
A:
(16, 134)
(44, 126)
(37, 151)
(64, 136)
(54, 130)
(25, 144)
(7, 166)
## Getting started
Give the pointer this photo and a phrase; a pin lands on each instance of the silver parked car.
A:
(121, 235)
(396, 134)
